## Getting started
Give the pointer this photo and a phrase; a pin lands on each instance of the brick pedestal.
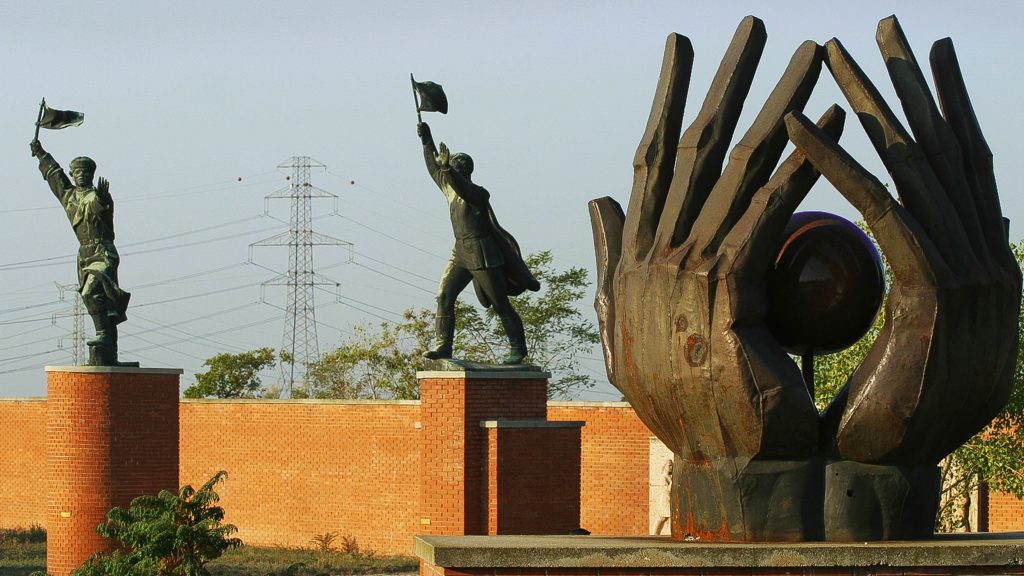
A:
(454, 446)
(533, 476)
(111, 435)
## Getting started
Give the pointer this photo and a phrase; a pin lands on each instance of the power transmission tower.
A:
(77, 314)
(299, 343)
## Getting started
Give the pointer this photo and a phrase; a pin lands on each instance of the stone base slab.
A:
(571, 555)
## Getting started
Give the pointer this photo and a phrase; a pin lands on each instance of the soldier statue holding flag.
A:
(484, 252)
(91, 212)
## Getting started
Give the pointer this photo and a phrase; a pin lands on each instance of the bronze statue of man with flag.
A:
(484, 252)
(91, 212)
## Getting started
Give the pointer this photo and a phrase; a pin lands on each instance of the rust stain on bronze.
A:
(681, 323)
(696, 349)
(627, 345)
(690, 531)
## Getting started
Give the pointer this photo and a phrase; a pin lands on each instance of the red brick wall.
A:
(1005, 513)
(302, 468)
(22, 463)
(614, 484)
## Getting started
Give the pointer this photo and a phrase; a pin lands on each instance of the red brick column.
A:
(454, 446)
(111, 435)
(533, 476)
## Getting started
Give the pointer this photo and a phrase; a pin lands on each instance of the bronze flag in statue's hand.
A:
(59, 119)
(431, 97)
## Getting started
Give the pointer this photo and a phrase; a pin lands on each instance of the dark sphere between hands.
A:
(825, 286)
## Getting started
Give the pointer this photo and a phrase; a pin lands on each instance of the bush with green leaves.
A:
(165, 535)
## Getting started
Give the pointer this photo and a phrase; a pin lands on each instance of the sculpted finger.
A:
(977, 156)
(751, 245)
(755, 156)
(909, 251)
(919, 189)
(930, 129)
(704, 144)
(655, 158)
(606, 220)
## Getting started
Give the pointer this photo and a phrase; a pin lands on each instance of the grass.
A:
(252, 561)
(23, 551)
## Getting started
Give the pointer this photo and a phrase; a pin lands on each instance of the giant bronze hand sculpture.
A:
(942, 366)
(681, 299)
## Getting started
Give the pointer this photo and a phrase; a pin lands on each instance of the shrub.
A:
(34, 534)
(165, 535)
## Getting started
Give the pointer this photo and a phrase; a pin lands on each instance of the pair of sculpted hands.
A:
(681, 298)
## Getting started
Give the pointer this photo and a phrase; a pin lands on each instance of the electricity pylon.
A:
(299, 345)
(77, 314)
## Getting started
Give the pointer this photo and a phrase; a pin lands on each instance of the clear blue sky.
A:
(182, 99)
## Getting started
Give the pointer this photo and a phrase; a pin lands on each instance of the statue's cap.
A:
(84, 162)
(462, 163)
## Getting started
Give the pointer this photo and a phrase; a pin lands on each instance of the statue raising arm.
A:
(429, 151)
(54, 175)
(451, 174)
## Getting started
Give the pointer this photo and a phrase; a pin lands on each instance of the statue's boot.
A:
(444, 329)
(513, 325)
(103, 348)
(105, 330)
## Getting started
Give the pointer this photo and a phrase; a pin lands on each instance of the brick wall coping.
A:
(587, 404)
(502, 423)
(987, 549)
(112, 370)
(484, 374)
(360, 402)
(551, 403)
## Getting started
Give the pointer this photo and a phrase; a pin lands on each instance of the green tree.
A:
(165, 535)
(382, 361)
(556, 331)
(233, 375)
(374, 363)
(994, 457)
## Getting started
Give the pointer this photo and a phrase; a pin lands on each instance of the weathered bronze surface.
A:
(682, 300)
(943, 364)
(942, 367)
(825, 286)
(90, 209)
(484, 252)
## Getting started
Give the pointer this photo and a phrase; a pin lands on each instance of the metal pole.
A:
(416, 97)
(42, 105)
(807, 367)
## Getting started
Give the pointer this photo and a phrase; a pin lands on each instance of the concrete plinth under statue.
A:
(111, 435)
